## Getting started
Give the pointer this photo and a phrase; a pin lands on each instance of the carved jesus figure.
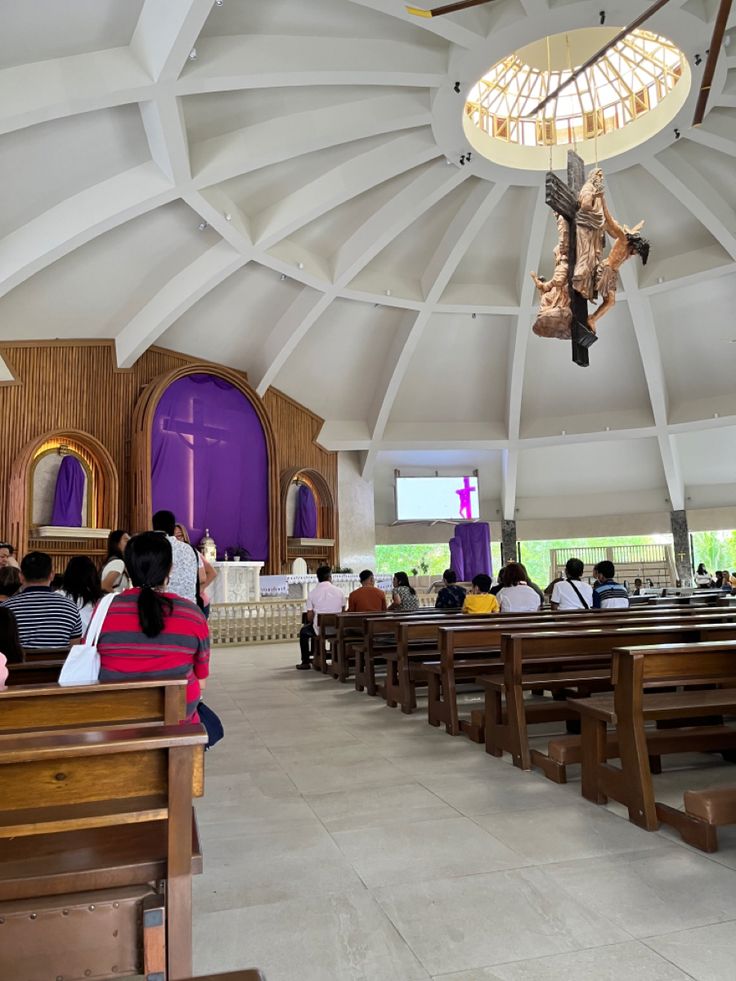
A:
(627, 242)
(589, 234)
(554, 317)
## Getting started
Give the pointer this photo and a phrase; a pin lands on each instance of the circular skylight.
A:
(644, 75)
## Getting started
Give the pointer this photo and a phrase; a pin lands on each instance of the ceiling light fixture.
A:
(202, 225)
(563, 433)
(219, 3)
(300, 265)
(456, 87)
(193, 54)
(388, 292)
(282, 277)
(228, 216)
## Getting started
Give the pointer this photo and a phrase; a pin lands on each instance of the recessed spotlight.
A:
(300, 265)
(608, 429)
(388, 292)
(219, 3)
(563, 433)
(202, 225)
(282, 277)
(716, 415)
(228, 217)
(660, 279)
(193, 54)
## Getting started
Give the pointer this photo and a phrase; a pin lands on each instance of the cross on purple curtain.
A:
(305, 518)
(69, 494)
(209, 463)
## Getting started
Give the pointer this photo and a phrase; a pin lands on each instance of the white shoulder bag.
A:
(82, 665)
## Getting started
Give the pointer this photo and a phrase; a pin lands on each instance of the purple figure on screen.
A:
(466, 504)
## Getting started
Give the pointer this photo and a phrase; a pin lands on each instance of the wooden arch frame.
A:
(106, 487)
(326, 519)
(145, 409)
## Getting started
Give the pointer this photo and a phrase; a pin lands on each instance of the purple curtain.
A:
(456, 559)
(69, 494)
(475, 542)
(209, 463)
(305, 518)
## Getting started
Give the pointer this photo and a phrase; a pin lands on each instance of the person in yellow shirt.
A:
(480, 599)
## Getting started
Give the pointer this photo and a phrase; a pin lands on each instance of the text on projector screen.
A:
(436, 498)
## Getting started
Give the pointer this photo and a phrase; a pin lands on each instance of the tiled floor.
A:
(344, 841)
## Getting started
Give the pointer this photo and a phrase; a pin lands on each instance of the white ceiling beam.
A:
(165, 34)
(289, 330)
(642, 317)
(716, 141)
(388, 221)
(531, 259)
(227, 64)
(460, 233)
(163, 121)
(365, 170)
(214, 206)
(284, 137)
(691, 189)
(457, 31)
(79, 219)
(45, 90)
(174, 299)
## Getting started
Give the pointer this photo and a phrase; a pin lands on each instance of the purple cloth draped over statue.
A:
(209, 463)
(475, 543)
(69, 494)
(305, 518)
(456, 559)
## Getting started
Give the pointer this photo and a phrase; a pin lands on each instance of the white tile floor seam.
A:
(345, 841)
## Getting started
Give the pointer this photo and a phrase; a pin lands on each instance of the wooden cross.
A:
(563, 199)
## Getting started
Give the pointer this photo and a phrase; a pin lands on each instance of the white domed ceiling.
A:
(277, 186)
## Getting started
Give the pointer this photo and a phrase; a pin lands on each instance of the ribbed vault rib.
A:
(518, 348)
(355, 254)
(44, 90)
(351, 178)
(462, 230)
(79, 219)
(249, 62)
(642, 317)
(692, 190)
(163, 122)
(166, 33)
(715, 141)
(261, 144)
(446, 27)
(174, 299)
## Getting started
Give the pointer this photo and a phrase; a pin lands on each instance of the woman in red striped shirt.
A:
(150, 633)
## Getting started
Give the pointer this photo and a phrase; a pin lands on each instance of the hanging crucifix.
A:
(581, 273)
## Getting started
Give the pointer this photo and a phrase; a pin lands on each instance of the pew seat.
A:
(251, 974)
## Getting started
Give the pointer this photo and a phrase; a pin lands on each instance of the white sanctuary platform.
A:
(297, 587)
(237, 582)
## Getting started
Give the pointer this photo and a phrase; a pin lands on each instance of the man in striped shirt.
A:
(608, 594)
(45, 619)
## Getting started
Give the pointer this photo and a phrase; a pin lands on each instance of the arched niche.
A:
(143, 421)
(38, 458)
(326, 518)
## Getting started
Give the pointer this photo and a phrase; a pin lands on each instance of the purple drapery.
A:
(475, 542)
(209, 463)
(305, 518)
(456, 559)
(69, 494)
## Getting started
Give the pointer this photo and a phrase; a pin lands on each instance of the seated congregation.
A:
(114, 832)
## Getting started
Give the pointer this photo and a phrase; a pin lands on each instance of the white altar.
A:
(237, 582)
(297, 587)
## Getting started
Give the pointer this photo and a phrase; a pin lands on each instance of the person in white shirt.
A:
(571, 593)
(184, 567)
(114, 576)
(324, 598)
(516, 595)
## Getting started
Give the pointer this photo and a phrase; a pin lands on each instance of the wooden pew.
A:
(91, 819)
(705, 812)
(327, 635)
(630, 707)
(457, 640)
(34, 672)
(45, 653)
(104, 705)
(562, 661)
(249, 975)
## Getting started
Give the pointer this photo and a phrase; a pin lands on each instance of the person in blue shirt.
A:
(451, 596)
(607, 593)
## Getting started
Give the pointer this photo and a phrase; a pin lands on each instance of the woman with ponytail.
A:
(151, 633)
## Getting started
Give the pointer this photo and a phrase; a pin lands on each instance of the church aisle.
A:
(344, 841)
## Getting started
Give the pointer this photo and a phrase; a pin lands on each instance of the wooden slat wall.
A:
(75, 385)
